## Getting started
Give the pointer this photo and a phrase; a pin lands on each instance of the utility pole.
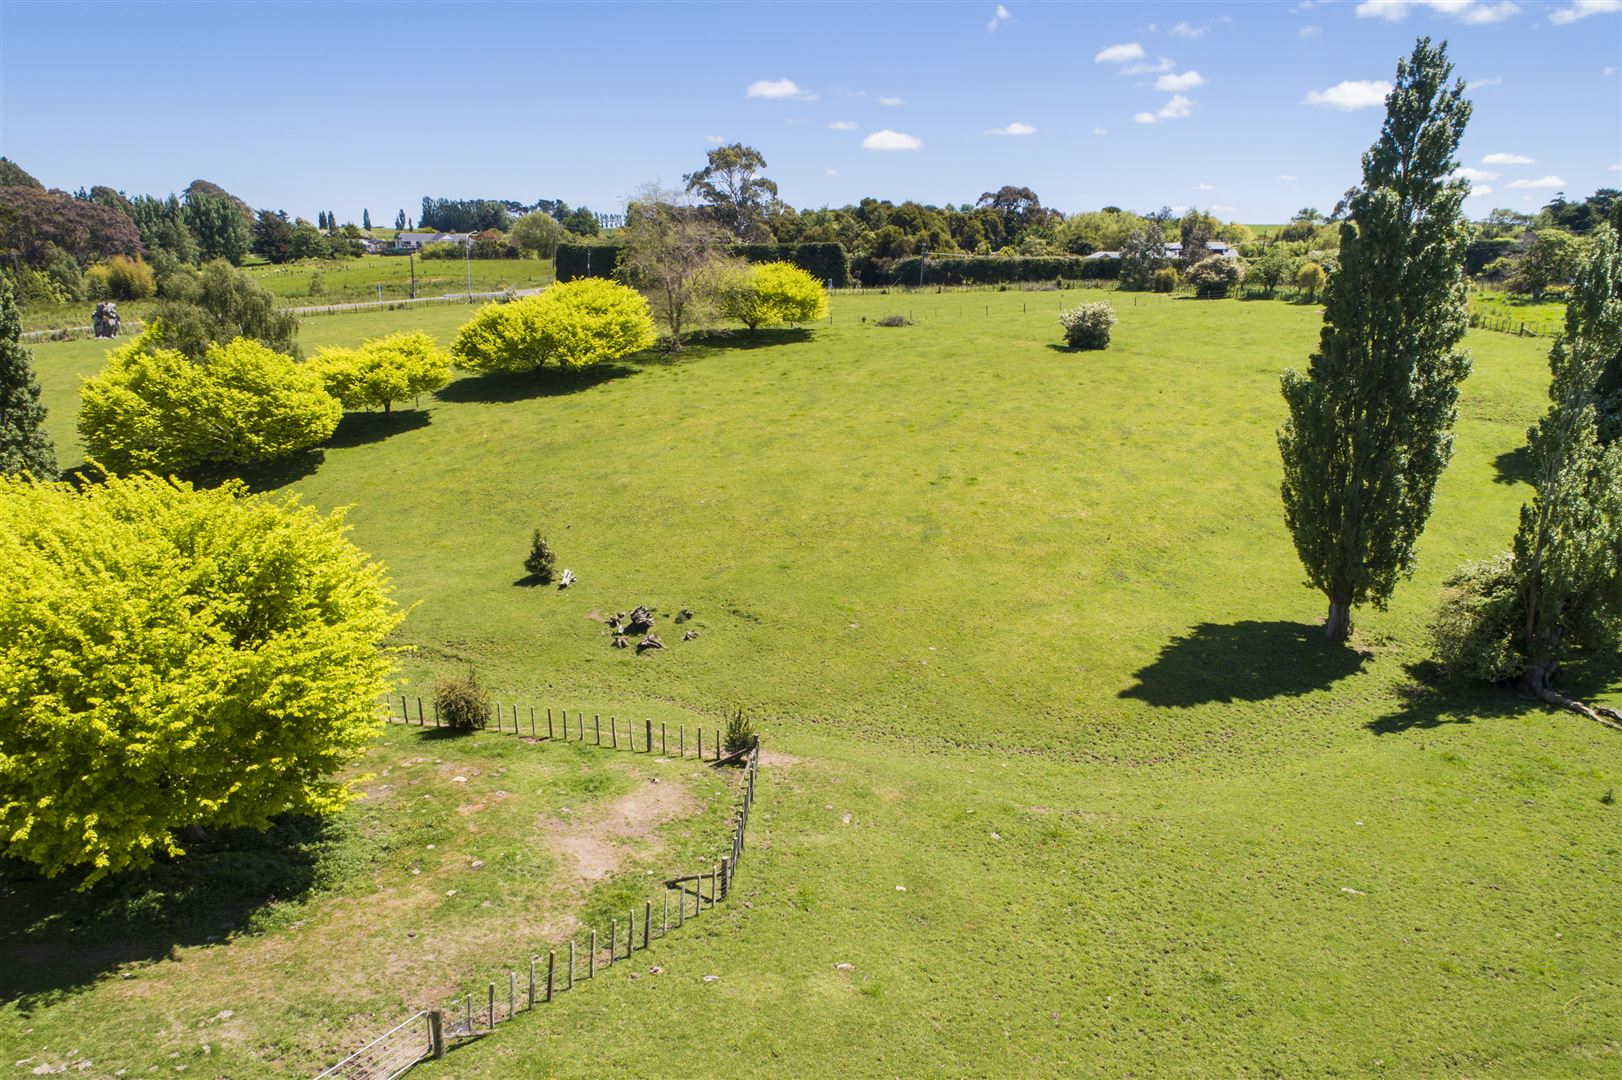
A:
(412, 255)
(467, 257)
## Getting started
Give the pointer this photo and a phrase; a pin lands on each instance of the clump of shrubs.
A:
(462, 702)
(1164, 279)
(894, 320)
(1216, 276)
(541, 560)
(1087, 326)
(1476, 630)
(120, 278)
(740, 734)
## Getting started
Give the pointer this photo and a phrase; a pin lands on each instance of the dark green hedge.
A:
(586, 260)
(984, 269)
(825, 262)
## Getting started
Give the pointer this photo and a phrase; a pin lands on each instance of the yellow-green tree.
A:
(383, 370)
(176, 658)
(571, 324)
(152, 408)
(772, 294)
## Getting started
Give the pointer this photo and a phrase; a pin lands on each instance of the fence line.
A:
(540, 979)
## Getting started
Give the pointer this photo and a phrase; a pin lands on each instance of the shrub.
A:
(1215, 276)
(1476, 631)
(462, 702)
(771, 294)
(1087, 326)
(540, 561)
(223, 304)
(383, 370)
(176, 658)
(120, 278)
(572, 325)
(894, 320)
(1310, 279)
(441, 249)
(1164, 280)
(152, 408)
(317, 286)
(740, 734)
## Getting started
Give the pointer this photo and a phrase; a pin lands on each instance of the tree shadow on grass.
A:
(1430, 700)
(705, 341)
(500, 387)
(1514, 466)
(270, 475)
(359, 429)
(55, 939)
(1243, 661)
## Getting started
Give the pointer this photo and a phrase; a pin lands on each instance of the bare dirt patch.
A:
(777, 757)
(597, 843)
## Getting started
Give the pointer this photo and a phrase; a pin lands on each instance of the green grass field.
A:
(1070, 781)
(1547, 318)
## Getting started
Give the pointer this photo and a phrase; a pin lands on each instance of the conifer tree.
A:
(24, 446)
(366, 220)
(1370, 424)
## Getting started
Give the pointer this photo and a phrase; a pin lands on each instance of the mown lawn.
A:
(1032, 627)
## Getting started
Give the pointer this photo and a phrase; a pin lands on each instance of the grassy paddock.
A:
(1029, 628)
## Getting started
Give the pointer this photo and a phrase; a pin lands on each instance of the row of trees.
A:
(1369, 430)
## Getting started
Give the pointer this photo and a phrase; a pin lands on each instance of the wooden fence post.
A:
(405, 710)
(614, 733)
(647, 921)
(551, 971)
(532, 982)
(532, 721)
(491, 1022)
(420, 721)
(647, 734)
(591, 958)
(726, 874)
(598, 721)
(436, 1033)
(662, 750)
(570, 984)
(613, 940)
(548, 723)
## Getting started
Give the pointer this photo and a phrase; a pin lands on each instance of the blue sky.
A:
(1252, 109)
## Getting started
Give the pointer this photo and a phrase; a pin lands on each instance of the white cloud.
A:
(1100, 131)
(1001, 16)
(1287, 178)
(778, 89)
(1469, 11)
(1480, 189)
(717, 139)
(832, 172)
(1582, 9)
(1164, 64)
(891, 140)
(1310, 32)
(1175, 109)
(1607, 70)
(1351, 94)
(843, 125)
(1119, 54)
(1016, 128)
(891, 101)
(1481, 84)
(1507, 159)
(1183, 30)
(1474, 175)
(1207, 187)
(1550, 181)
(1614, 168)
(1188, 80)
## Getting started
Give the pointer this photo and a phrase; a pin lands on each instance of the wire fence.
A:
(569, 964)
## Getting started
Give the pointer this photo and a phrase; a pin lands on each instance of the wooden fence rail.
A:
(427, 1034)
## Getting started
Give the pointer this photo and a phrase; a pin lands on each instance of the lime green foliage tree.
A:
(771, 294)
(152, 408)
(1561, 590)
(24, 446)
(120, 278)
(176, 658)
(571, 325)
(383, 370)
(1370, 424)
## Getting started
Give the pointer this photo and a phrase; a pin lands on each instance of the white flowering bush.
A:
(1087, 325)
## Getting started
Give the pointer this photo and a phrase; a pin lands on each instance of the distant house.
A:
(1175, 251)
(413, 241)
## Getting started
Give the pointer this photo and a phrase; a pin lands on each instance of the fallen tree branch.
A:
(1600, 714)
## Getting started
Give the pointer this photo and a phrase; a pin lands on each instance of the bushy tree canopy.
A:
(175, 658)
(1215, 276)
(733, 186)
(537, 234)
(225, 304)
(33, 219)
(571, 324)
(153, 408)
(771, 294)
(383, 370)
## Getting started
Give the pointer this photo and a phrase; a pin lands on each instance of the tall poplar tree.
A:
(24, 446)
(1370, 424)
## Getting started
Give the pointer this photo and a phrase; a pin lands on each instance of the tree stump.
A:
(641, 620)
(620, 641)
(566, 580)
(650, 642)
